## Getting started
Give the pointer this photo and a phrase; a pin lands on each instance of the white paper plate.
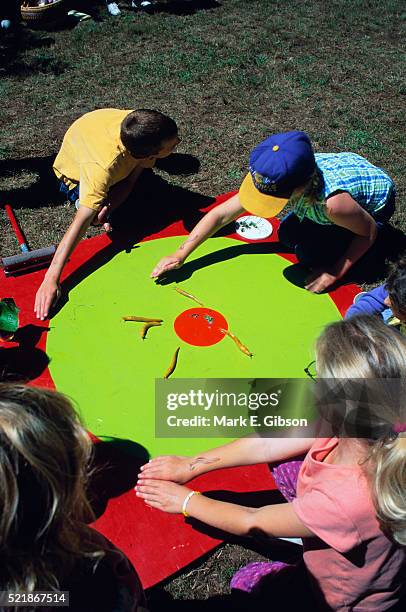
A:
(253, 228)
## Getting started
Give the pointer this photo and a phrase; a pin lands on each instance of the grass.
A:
(203, 580)
(230, 73)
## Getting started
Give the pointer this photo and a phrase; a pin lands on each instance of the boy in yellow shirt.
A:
(102, 155)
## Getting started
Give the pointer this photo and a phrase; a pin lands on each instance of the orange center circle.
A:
(200, 326)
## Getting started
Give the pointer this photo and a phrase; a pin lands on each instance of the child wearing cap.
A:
(102, 155)
(338, 199)
(388, 300)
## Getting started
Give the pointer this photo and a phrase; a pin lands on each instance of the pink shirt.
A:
(353, 566)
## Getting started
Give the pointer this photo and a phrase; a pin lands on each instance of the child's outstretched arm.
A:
(48, 290)
(85, 215)
(278, 520)
(209, 225)
(245, 451)
(344, 211)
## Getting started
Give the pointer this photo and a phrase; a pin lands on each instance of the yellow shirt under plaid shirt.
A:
(93, 156)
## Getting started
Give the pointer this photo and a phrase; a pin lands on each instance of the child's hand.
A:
(47, 296)
(102, 218)
(319, 281)
(168, 467)
(171, 262)
(166, 496)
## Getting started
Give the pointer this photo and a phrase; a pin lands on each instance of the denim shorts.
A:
(71, 194)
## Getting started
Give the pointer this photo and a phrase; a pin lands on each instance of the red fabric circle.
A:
(200, 326)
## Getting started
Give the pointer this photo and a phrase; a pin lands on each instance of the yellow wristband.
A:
(186, 501)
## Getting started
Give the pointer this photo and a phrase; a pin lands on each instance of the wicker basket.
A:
(42, 14)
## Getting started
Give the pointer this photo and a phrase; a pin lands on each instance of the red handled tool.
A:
(28, 260)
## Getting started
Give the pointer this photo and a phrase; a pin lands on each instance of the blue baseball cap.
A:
(277, 166)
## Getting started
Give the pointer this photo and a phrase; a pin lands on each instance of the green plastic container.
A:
(8, 316)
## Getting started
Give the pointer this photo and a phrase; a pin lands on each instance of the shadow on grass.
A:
(15, 44)
(371, 268)
(115, 468)
(179, 164)
(289, 590)
(24, 362)
(159, 599)
(43, 187)
(282, 595)
(182, 7)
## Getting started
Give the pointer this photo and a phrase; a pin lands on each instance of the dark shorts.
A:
(321, 245)
(71, 194)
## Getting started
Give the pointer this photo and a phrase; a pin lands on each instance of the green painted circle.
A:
(102, 363)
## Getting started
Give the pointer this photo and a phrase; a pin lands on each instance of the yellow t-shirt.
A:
(93, 155)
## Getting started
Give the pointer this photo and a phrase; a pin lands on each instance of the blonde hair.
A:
(44, 459)
(364, 347)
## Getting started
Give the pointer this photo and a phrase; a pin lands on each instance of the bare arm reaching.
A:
(209, 225)
(278, 520)
(344, 211)
(245, 451)
(48, 290)
(117, 194)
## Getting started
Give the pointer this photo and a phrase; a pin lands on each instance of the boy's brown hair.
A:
(143, 132)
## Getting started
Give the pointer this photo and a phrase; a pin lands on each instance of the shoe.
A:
(358, 296)
(143, 4)
(248, 578)
(113, 9)
(79, 16)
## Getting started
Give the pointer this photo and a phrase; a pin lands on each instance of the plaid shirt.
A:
(368, 185)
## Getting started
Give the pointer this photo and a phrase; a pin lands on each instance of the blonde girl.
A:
(349, 501)
(45, 543)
